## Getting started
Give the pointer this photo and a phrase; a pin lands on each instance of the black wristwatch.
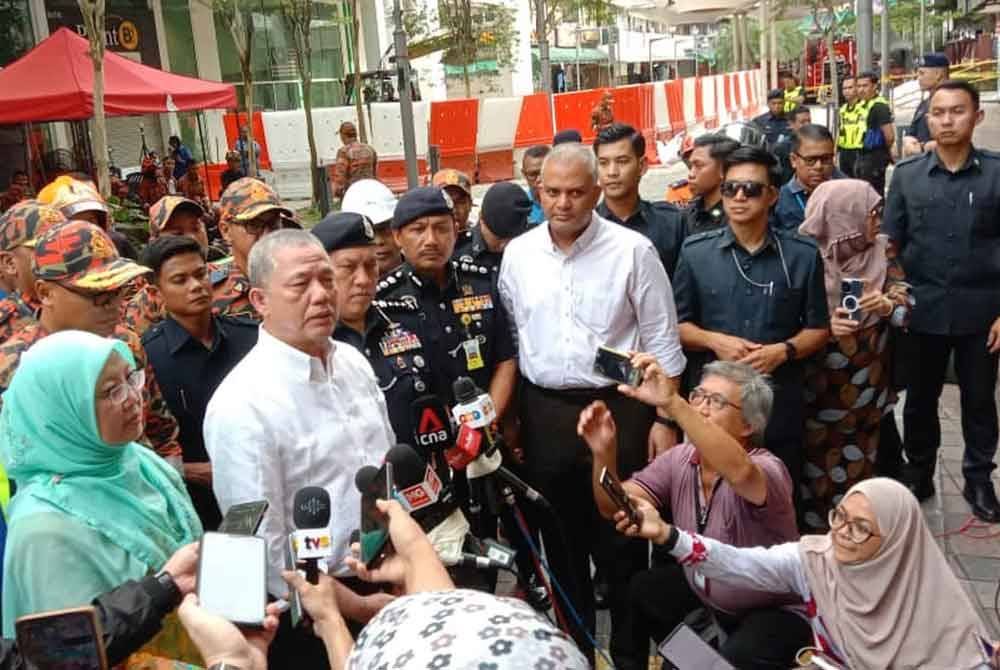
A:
(792, 351)
(672, 538)
(669, 423)
(166, 580)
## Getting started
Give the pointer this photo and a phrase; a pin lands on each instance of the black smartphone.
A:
(294, 600)
(68, 639)
(851, 292)
(375, 524)
(232, 577)
(619, 497)
(616, 365)
(243, 518)
(685, 649)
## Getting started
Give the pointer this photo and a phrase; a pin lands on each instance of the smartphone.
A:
(375, 524)
(232, 577)
(685, 649)
(69, 639)
(617, 493)
(616, 365)
(986, 647)
(294, 600)
(851, 292)
(244, 518)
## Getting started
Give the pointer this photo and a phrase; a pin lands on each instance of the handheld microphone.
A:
(415, 480)
(311, 539)
(432, 430)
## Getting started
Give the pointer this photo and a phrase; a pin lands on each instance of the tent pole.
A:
(204, 154)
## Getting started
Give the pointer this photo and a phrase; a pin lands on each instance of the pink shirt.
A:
(673, 481)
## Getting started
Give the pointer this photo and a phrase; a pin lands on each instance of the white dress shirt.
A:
(610, 289)
(281, 421)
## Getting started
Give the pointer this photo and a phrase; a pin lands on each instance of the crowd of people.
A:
(769, 326)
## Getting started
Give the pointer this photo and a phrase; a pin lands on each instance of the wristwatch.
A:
(166, 580)
(669, 423)
(792, 351)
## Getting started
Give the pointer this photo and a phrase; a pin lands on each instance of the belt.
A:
(574, 393)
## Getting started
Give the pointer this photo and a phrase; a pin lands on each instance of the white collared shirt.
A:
(610, 289)
(280, 421)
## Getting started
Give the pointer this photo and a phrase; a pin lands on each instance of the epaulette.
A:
(663, 205)
(406, 303)
(390, 282)
(909, 160)
(795, 236)
(471, 268)
(155, 331)
(240, 320)
(988, 153)
(707, 235)
(680, 183)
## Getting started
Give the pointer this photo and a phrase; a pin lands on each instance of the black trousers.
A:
(976, 368)
(559, 465)
(661, 598)
(871, 166)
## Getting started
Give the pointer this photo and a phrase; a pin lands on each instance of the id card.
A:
(473, 357)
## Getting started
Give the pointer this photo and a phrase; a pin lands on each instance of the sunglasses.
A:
(751, 189)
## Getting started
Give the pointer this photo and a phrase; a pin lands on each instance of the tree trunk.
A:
(248, 103)
(100, 126)
(466, 80)
(359, 107)
(317, 180)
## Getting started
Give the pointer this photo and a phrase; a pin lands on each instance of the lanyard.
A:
(801, 201)
(701, 514)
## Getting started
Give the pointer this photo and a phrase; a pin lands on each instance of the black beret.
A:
(566, 136)
(505, 210)
(935, 60)
(775, 94)
(419, 202)
(341, 230)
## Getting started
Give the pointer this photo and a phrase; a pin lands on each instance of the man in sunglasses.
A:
(79, 281)
(752, 294)
(812, 156)
(249, 209)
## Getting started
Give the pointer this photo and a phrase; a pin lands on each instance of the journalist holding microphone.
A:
(722, 483)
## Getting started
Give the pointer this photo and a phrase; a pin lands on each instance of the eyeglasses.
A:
(260, 226)
(534, 174)
(859, 531)
(878, 209)
(716, 401)
(751, 189)
(100, 299)
(135, 381)
(814, 161)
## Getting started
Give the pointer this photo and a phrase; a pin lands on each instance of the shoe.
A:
(601, 601)
(983, 499)
(922, 489)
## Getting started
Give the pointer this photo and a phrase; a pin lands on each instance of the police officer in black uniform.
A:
(773, 122)
(705, 165)
(932, 71)
(502, 217)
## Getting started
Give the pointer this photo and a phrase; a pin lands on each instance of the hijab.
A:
(903, 608)
(50, 444)
(463, 629)
(836, 218)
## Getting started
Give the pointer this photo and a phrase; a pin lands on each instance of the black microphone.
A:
(415, 480)
(364, 477)
(311, 539)
(432, 429)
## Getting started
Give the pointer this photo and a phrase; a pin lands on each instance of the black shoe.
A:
(601, 601)
(922, 488)
(983, 499)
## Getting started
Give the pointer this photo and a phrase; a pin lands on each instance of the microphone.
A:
(311, 539)
(432, 429)
(414, 478)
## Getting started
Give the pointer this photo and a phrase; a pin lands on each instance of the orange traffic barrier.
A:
(699, 105)
(534, 126)
(232, 122)
(573, 111)
(729, 98)
(675, 105)
(453, 130)
(392, 173)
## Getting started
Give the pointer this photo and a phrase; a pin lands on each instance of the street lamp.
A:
(656, 39)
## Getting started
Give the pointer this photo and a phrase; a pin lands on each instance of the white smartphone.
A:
(685, 649)
(232, 577)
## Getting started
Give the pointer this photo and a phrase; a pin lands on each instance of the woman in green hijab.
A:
(93, 508)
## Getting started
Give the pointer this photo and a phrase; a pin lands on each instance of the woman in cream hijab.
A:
(876, 589)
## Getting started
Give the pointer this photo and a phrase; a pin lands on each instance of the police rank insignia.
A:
(397, 341)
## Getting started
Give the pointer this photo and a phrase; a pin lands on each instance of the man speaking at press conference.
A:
(297, 411)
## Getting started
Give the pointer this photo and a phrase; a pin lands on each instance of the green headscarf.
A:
(51, 446)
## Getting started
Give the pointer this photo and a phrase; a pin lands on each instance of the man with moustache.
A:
(812, 155)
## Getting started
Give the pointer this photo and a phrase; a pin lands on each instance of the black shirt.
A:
(772, 126)
(768, 296)
(698, 219)
(228, 177)
(783, 152)
(878, 116)
(471, 248)
(660, 222)
(948, 235)
(918, 126)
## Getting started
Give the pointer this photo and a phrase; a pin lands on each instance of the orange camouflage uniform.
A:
(354, 161)
(160, 430)
(15, 314)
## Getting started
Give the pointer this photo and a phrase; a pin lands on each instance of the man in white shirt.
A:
(297, 411)
(570, 285)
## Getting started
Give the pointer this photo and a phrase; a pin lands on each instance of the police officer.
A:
(773, 122)
(850, 137)
(795, 95)
(932, 71)
(375, 200)
(705, 165)
(879, 133)
(756, 295)
(502, 217)
(941, 215)
(458, 186)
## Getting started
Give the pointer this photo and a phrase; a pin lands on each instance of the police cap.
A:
(342, 230)
(419, 202)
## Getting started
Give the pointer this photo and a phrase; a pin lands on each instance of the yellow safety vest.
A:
(853, 123)
(790, 98)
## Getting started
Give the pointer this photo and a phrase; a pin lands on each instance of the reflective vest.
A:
(790, 98)
(865, 109)
(853, 122)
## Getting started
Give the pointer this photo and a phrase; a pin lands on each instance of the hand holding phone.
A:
(232, 577)
(69, 639)
(374, 523)
(243, 518)
(616, 365)
(619, 497)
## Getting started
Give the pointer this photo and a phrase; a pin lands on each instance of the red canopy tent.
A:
(55, 82)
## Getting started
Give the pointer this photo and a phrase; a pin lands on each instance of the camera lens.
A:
(850, 303)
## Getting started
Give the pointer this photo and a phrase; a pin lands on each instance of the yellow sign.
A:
(128, 35)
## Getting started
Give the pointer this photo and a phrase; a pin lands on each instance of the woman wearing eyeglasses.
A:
(93, 508)
(848, 389)
(877, 590)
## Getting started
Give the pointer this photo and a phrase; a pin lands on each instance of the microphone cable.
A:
(562, 594)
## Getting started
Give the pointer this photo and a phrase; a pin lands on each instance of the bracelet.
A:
(792, 351)
(669, 423)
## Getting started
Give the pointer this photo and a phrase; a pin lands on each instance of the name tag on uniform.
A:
(473, 357)
(397, 341)
(475, 303)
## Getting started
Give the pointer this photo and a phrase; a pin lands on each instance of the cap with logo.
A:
(371, 198)
(343, 230)
(247, 198)
(935, 60)
(161, 211)
(505, 210)
(452, 177)
(420, 202)
(21, 225)
(72, 196)
(775, 94)
(82, 255)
